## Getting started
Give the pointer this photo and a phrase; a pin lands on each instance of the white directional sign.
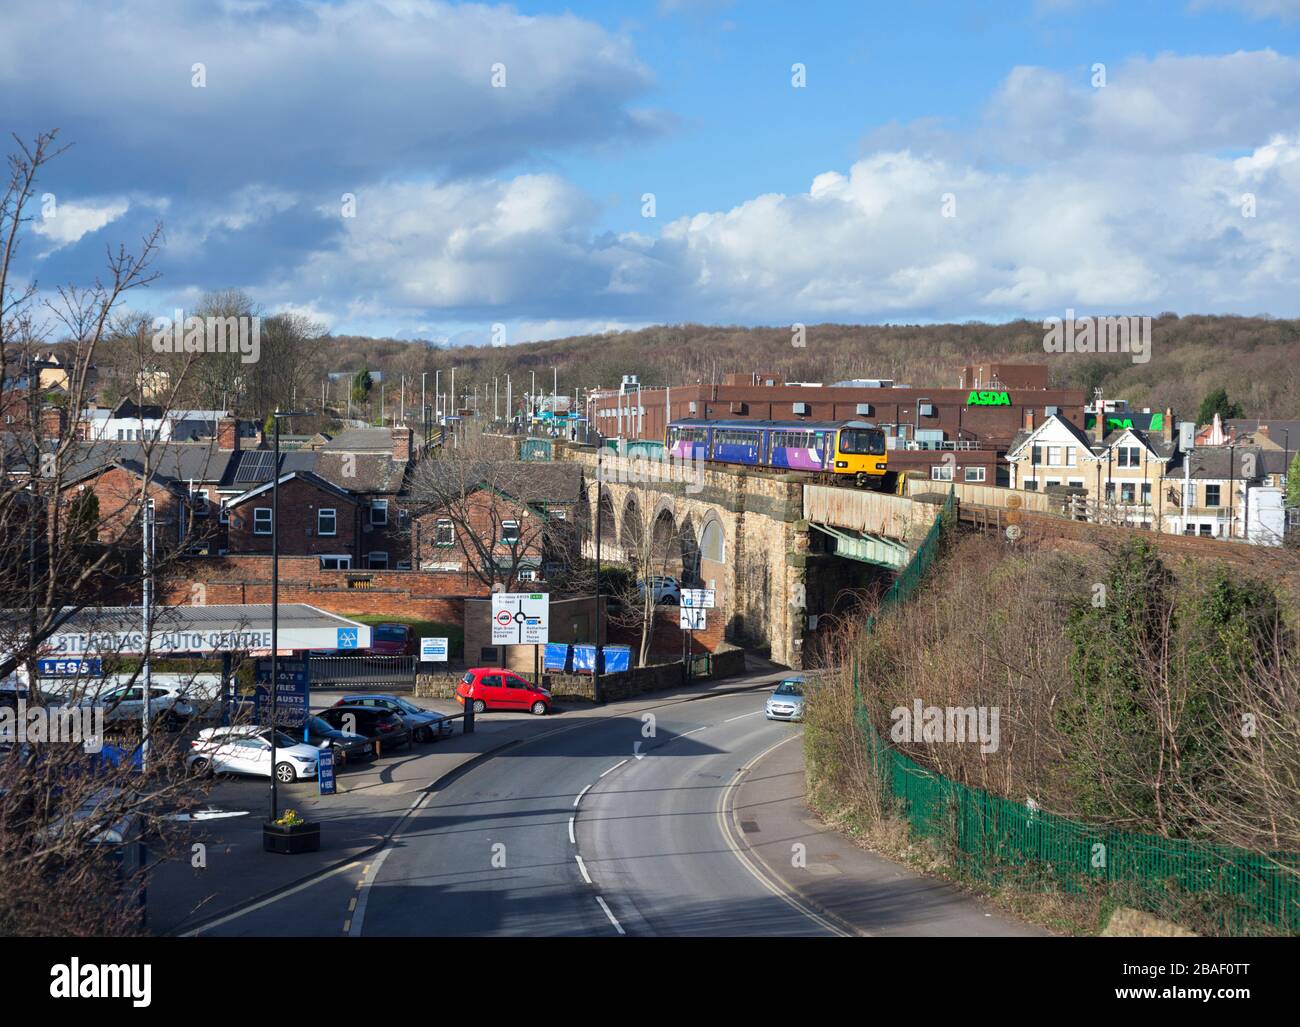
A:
(520, 618)
(693, 618)
(433, 650)
(701, 598)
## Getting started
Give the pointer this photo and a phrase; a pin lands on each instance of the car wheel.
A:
(539, 708)
(285, 774)
(423, 734)
(480, 706)
(201, 768)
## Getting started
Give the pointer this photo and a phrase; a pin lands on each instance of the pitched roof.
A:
(1021, 437)
(361, 440)
(532, 482)
(1156, 444)
(252, 467)
(361, 472)
(306, 476)
(1213, 462)
(167, 461)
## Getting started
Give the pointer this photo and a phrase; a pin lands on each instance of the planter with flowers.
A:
(290, 834)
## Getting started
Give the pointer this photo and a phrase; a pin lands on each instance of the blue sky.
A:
(944, 160)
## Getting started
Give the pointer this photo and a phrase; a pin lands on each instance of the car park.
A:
(247, 750)
(348, 747)
(493, 688)
(383, 727)
(167, 702)
(786, 703)
(425, 725)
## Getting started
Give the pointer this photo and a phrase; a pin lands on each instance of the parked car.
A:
(391, 640)
(247, 750)
(666, 589)
(381, 726)
(491, 688)
(126, 703)
(786, 703)
(348, 747)
(425, 725)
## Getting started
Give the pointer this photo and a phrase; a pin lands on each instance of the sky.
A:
(487, 172)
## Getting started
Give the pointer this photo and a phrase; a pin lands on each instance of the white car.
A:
(243, 750)
(666, 590)
(127, 703)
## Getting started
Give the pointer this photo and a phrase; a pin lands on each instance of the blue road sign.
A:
(293, 692)
(347, 638)
(325, 772)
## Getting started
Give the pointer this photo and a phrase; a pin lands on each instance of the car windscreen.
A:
(409, 707)
(392, 633)
(321, 727)
(867, 441)
(790, 688)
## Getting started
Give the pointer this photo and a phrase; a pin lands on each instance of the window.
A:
(941, 472)
(1126, 492)
(378, 561)
(336, 563)
(510, 531)
(403, 565)
(404, 520)
(527, 574)
(1069, 456)
(262, 520)
(861, 440)
(1212, 495)
(327, 520)
(1110, 492)
(974, 474)
(444, 532)
(1031, 485)
(199, 499)
(1128, 456)
(224, 514)
(1053, 456)
(1146, 493)
(1205, 529)
(559, 515)
(1076, 483)
(379, 513)
(1036, 455)
(1053, 481)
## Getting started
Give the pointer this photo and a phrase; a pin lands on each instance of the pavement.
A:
(670, 815)
(220, 866)
(859, 891)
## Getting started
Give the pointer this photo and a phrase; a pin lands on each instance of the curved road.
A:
(607, 828)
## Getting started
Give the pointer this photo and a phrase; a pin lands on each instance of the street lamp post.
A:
(275, 596)
(600, 501)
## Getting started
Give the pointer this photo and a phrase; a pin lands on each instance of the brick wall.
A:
(118, 493)
(422, 595)
(300, 500)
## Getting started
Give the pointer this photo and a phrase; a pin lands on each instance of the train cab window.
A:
(866, 441)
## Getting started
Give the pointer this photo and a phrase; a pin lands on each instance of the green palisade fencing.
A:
(996, 839)
(535, 449)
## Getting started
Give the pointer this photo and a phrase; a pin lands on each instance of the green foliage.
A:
(362, 383)
(83, 516)
(1120, 645)
(1293, 482)
(1217, 403)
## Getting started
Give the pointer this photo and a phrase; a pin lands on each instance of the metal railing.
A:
(362, 671)
(993, 838)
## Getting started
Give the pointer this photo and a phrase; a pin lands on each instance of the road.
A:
(607, 828)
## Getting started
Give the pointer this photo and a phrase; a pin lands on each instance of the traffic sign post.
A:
(520, 618)
(691, 618)
(699, 598)
(325, 772)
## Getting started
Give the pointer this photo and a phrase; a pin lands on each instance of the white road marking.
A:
(612, 918)
(583, 867)
(614, 767)
(268, 900)
(754, 871)
(572, 839)
(755, 713)
(580, 795)
(363, 892)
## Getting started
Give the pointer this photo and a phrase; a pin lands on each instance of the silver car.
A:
(786, 703)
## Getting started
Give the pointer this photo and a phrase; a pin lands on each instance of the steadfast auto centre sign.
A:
(216, 640)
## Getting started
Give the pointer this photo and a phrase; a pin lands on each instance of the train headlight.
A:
(881, 467)
(841, 463)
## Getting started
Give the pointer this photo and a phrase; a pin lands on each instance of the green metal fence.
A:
(996, 839)
(535, 449)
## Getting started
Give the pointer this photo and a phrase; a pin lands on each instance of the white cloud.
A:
(69, 221)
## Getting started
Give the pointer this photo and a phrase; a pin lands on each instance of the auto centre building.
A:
(204, 631)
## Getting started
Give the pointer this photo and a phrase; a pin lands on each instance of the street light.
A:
(275, 594)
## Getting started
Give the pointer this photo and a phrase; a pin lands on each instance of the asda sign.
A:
(988, 399)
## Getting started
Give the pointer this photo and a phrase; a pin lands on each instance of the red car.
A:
(491, 688)
(391, 640)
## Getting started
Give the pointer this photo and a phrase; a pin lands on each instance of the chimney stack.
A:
(401, 444)
(1028, 421)
(1169, 425)
(227, 433)
(52, 422)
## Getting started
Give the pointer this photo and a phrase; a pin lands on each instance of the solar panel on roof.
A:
(255, 466)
